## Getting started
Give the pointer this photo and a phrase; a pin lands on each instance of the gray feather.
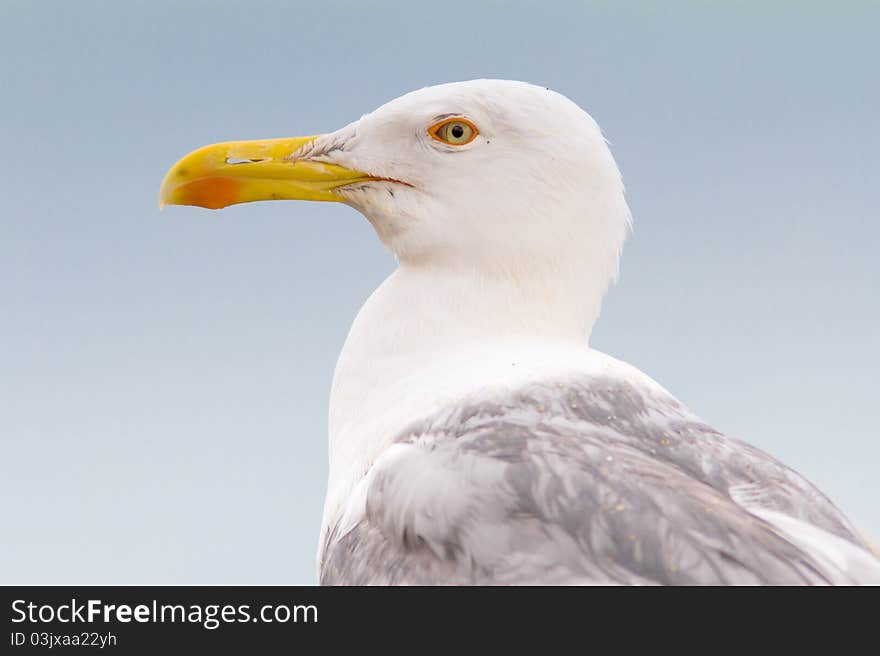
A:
(591, 481)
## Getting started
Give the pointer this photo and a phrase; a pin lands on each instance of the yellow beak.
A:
(233, 172)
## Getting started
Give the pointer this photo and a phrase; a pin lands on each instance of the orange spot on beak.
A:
(212, 193)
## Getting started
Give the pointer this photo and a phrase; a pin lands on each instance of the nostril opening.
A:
(239, 160)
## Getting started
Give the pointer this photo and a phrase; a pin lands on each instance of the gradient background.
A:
(164, 377)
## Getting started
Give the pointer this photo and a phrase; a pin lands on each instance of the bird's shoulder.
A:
(600, 479)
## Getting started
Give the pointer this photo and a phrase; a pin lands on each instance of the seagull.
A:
(474, 436)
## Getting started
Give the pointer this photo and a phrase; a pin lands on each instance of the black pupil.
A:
(457, 131)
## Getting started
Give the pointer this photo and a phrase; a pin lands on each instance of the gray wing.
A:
(587, 482)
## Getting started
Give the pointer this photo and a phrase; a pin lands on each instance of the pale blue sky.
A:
(164, 376)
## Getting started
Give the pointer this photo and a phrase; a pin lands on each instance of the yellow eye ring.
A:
(456, 131)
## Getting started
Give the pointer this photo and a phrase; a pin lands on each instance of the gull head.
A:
(492, 176)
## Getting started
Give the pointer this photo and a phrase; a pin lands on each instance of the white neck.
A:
(429, 336)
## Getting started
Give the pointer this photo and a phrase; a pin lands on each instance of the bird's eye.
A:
(454, 131)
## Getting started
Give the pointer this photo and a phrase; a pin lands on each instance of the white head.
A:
(535, 186)
(527, 190)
